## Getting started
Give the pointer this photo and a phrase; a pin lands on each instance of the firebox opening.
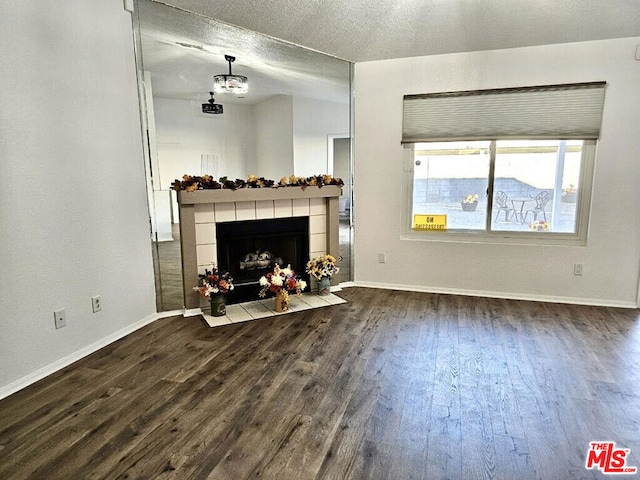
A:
(249, 249)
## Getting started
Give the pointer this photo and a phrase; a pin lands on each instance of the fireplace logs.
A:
(259, 261)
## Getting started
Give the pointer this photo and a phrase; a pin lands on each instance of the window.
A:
(444, 175)
(512, 162)
(534, 185)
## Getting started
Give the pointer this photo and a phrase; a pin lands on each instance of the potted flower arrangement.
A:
(322, 269)
(540, 226)
(281, 281)
(569, 194)
(214, 285)
(470, 203)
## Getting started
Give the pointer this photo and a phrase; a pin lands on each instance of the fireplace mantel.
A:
(256, 194)
(201, 210)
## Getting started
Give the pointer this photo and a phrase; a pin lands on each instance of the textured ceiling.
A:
(363, 30)
(182, 51)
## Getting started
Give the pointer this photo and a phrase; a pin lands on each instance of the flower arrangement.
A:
(471, 198)
(540, 226)
(213, 282)
(470, 202)
(569, 194)
(281, 280)
(313, 181)
(191, 184)
(206, 182)
(322, 266)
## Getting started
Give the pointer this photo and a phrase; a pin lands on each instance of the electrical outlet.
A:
(96, 304)
(60, 318)
(577, 269)
(382, 257)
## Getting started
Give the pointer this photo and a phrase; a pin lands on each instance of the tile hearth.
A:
(248, 311)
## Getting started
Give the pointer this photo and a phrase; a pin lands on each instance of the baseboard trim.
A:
(47, 370)
(593, 302)
(342, 285)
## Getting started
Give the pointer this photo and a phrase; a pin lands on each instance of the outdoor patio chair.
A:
(503, 205)
(541, 203)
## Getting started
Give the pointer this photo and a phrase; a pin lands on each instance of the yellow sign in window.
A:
(429, 222)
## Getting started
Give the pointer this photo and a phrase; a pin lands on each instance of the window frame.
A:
(579, 237)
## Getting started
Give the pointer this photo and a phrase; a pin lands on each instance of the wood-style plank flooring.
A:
(391, 385)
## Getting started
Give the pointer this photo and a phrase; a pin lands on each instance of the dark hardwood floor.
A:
(391, 385)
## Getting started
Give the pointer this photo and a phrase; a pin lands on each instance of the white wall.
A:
(274, 137)
(74, 210)
(612, 256)
(313, 122)
(184, 133)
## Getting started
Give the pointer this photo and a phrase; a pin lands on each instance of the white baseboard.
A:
(341, 285)
(594, 302)
(47, 370)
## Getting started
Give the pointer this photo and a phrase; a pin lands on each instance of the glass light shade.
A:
(230, 84)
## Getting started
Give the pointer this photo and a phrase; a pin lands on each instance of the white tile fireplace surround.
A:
(202, 210)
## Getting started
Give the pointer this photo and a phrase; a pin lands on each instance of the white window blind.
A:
(572, 111)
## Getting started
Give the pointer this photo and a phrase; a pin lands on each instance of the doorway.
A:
(339, 165)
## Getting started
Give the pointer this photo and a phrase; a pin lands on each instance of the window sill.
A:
(500, 238)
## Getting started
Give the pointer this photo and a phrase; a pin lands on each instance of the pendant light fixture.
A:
(229, 83)
(212, 107)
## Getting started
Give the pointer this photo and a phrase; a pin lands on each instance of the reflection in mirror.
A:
(294, 120)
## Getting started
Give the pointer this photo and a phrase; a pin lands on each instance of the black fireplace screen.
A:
(250, 249)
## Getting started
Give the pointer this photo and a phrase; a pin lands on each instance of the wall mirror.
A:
(295, 119)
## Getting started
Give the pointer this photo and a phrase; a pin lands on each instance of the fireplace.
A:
(249, 249)
(203, 212)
